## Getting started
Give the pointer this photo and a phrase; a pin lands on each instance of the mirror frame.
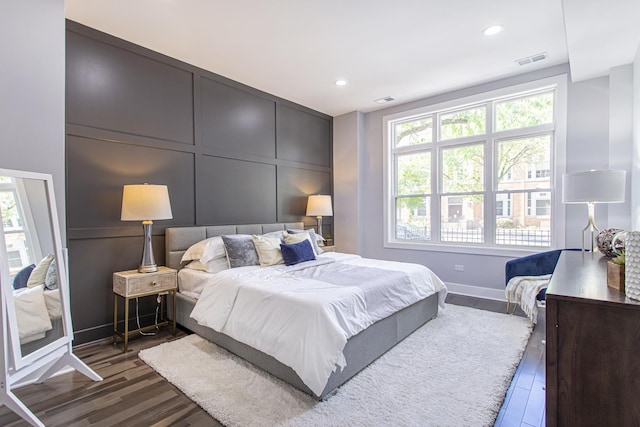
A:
(19, 360)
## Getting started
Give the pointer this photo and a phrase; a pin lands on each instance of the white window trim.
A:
(558, 160)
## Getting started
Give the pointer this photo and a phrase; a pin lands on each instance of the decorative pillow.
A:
(268, 249)
(21, 279)
(213, 266)
(39, 274)
(296, 253)
(301, 235)
(278, 234)
(241, 251)
(31, 313)
(205, 250)
(51, 279)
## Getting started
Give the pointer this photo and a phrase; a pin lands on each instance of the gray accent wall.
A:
(228, 153)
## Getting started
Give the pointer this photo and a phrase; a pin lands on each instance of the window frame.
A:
(490, 138)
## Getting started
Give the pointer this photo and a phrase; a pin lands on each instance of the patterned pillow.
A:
(241, 251)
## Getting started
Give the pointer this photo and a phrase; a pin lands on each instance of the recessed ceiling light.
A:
(340, 82)
(492, 30)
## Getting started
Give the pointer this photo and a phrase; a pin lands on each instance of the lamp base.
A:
(147, 268)
(148, 263)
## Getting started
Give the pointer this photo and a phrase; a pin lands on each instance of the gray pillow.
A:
(241, 251)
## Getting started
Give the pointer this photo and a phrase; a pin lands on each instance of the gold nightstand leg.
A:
(126, 323)
(174, 312)
(115, 317)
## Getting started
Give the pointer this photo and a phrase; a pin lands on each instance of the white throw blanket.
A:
(523, 290)
(304, 322)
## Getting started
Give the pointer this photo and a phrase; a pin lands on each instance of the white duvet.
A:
(303, 315)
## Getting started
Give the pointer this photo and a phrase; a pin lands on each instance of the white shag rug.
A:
(453, 371)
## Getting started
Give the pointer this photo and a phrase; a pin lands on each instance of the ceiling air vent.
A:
(384, 100)
(533, 58)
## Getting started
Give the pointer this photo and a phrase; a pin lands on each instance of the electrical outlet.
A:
(458, 267)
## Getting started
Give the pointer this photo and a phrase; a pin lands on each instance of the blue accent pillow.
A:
(294, 253)
(21, 279)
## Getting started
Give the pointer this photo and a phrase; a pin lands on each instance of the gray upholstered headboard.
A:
(178, 239)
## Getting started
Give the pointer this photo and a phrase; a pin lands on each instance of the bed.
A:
(360, 349)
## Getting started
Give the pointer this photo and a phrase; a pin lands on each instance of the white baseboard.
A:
(477, 291)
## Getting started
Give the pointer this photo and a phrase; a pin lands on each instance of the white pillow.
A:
(205, 250)
(39, 274)
(213, 266)
(268, 249)
(31, 313)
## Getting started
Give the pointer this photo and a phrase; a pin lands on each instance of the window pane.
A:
(529, 222)
(414, 173)
(413, 221)
(524, 163)
(14, 234)
(463, 123)
(463, 169)
(524, 112)
(419, 131)
(462, 219)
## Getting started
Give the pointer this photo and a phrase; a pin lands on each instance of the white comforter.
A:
(303, 315)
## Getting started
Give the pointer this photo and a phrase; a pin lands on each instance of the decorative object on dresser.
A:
(591, 187)
(319, 206)
(133, 284)
(35, 314)
(632, 265)
(146, 203)
(616, 271)
(606, 243)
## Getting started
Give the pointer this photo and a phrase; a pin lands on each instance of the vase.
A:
(632, 265)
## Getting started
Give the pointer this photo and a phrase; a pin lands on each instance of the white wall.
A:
(347, 138)
(587, 147)
(32, 90)
(635, 173)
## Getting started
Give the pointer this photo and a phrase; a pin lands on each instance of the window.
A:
(480, 173)
(19, 241)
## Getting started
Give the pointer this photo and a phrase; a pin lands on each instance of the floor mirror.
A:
(36, 317)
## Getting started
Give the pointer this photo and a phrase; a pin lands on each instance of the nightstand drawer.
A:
(131, 283)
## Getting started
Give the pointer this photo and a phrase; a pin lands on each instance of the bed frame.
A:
(360, 350)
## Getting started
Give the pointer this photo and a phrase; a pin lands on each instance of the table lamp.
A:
(146, 203)
(319, 206)
(591, 187)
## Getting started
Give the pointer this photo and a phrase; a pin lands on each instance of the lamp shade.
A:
(319, 205)
(145, 202)
(594, 186)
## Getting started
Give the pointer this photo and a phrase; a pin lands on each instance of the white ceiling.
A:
(406, 49)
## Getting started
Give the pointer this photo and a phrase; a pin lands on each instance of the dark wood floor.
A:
(132, 394)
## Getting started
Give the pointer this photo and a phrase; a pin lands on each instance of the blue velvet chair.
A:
(533, 265)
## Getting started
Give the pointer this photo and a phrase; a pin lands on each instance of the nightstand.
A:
(328, 248)
(132, 284)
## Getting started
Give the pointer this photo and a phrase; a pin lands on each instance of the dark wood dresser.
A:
(593, 347)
